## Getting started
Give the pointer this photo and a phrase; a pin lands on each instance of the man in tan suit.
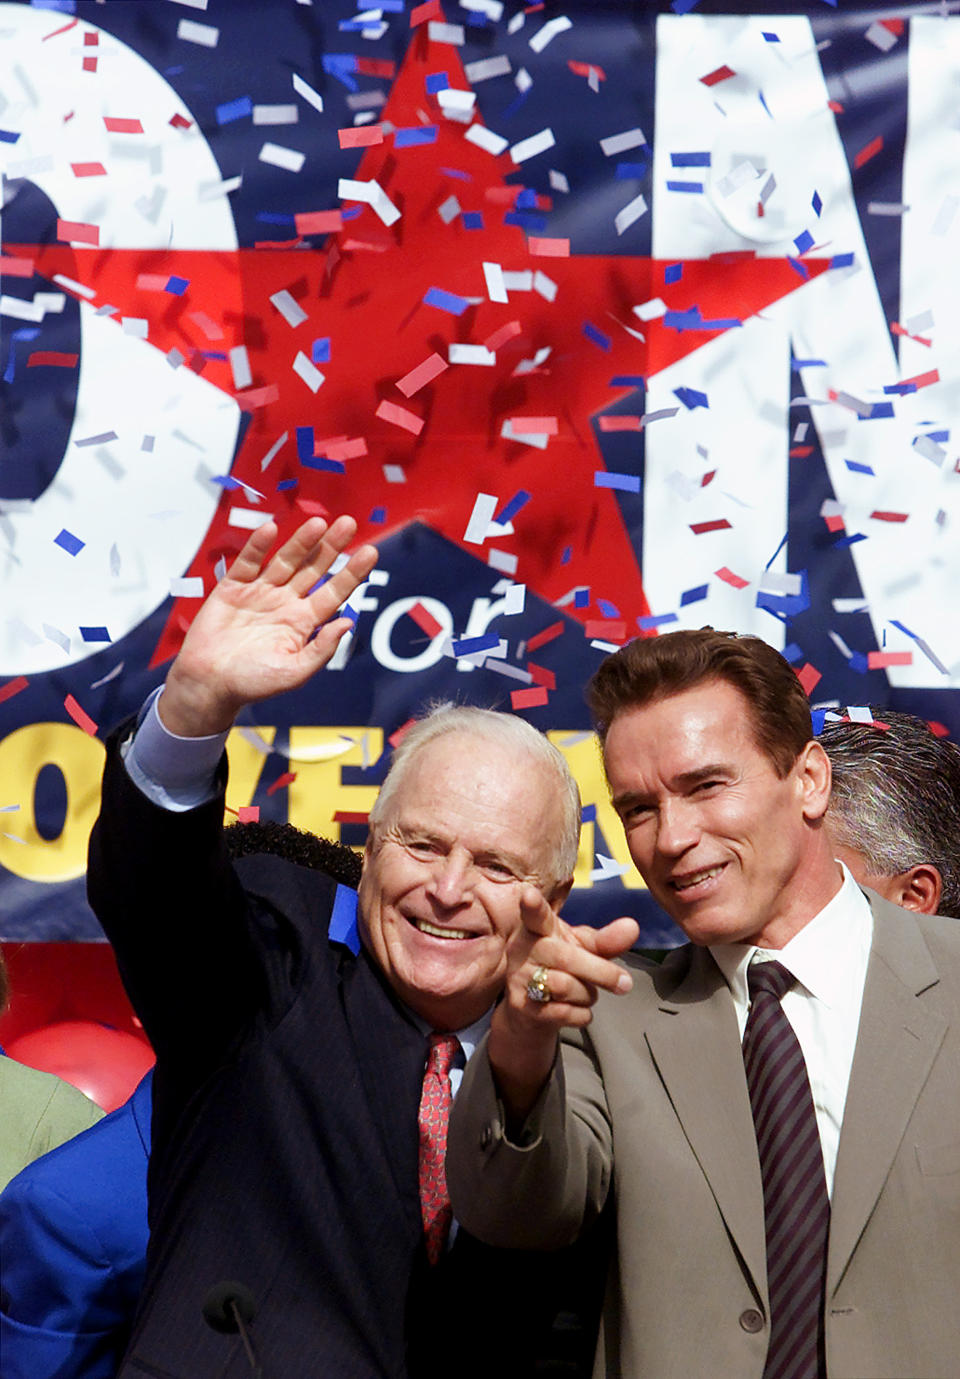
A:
(722, 794)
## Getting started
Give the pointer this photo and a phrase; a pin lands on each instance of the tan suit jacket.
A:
(652, 1101)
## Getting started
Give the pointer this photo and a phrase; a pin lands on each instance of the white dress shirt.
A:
(829, 959)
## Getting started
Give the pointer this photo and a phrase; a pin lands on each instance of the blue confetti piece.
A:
(817, 204)
(793, 653)
(304, 442)
(581, 598)
(276, 218)
(320, 350)
(458, 173)
(68, 542)
(507, 513)
(799, 268)
(763, 102)
(857, 467)
(798, 364)
(473, 220)
(321, 462)
(59, 6)
(437, 81)
(589, 813)
(673, 273)
(941, 436)
(608, 609)
(527, 220)
(901, 389)
(783, 542)
(177, 286)
(445, 301)
(627, 483)
(351, 212)
(25, 333)
(527, 200)
(842, 261)
(693, 595)
(95, 634)
(817, 719)
(690, 160)
(769, 37)
(9, 136)
(597, 336)
(238, 109)
(567, 555)
(652, 620)
(859, 663)
(843, 541)
(226, 481)
(212, 354)
(691, 398)
(683, 6)
(626, 172)
(880, 411)
(683, 320)
(627, 380)
(469, 646)
(377, 517)
(804, 241)
(340, 66)
(285, 484)
(684, 186)
(418, 134)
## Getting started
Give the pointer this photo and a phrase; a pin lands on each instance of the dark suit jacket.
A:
(285, 1123)
(652, 1101)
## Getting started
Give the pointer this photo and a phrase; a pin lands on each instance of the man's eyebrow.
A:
(685, 779)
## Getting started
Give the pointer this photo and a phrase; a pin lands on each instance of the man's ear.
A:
(813, 772)
(919, 888)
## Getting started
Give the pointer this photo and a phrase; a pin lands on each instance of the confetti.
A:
(68, 542)
(79, 715)
(12, 687)
(620, 143)
(363, 137)
(529, 698)
(423, 374)
(408, 421)
(76, 232)
(206, 35)
(718, 524)
(530, 148)
(290, 159)
(728, 577)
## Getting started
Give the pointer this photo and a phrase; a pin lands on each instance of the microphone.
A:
(229, 1307)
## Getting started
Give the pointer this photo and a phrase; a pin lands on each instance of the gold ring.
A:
(538, 988)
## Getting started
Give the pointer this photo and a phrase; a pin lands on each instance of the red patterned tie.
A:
(435, 1102)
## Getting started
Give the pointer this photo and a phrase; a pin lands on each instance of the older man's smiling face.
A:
(468, 827)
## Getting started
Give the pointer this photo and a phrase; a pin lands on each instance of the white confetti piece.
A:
(305, 90)
(478, 528)
(652, 310)
(240, 367)
(487, 68)
(558, 182)
(493, 277)
(549, 32)
(275, 114)
(305, 369)
(530, 148)
(486, 139)
(206, 35)
(438, 32)
(209, 191)
(393, 473)
(189, 587)
(248, 519)
(630, 214)
(619, 143)
(271, 453)
(279, 157)
(372, 194)
(290, 309)
(503, 561)
(545, 286)
(471, 354)
(136, 326)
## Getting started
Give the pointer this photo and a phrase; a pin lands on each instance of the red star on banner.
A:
(364, 293)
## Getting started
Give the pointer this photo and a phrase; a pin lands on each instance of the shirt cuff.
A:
(176, 773)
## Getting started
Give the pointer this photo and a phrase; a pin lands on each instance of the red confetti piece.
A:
(180, 122)
(362, 136)
(79, 716)
(376, 67)
(835, 106)
(346, 448)
(91, 39)
(620, 424)
(534, 426)
(152, 282)
(894, 25)
(421, 13)
(318, 222)
(12, 267)
(249, 814)
(529, 698)
(281, 782)
(809, 677)
(12, 687)
(924, 380)
(834, 523)
(351, 816)
(547, 635)
(423, 374)
(878, 660)
(399, 416)
(707, 478)
(800, 452)
(897, 329)
(548, 248)
(89, 64)
(729, 577)
(311, 507)
(117, 126)
(605, 629)
(52, 359)
(938, 729)
(718, 524)
(424, 620)
(66, 28)
(501, 336)
(890, 516)
(252, 398)
(583, 69)
(70, 231)
(868, 151)
(718, 74)
(542, 676)
(397, 736)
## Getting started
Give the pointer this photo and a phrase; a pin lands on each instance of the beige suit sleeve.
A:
(540, 1193)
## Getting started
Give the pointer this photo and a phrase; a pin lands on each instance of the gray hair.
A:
(896, 797)
(506, 731)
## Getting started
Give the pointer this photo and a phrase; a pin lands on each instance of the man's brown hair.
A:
(653, 668)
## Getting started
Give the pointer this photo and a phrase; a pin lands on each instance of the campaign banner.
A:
(602, 319)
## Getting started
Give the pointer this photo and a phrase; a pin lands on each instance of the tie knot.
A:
(443, 1049)
(771, 978)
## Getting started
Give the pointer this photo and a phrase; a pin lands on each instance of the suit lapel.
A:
(694, 1042)
(897, 1042)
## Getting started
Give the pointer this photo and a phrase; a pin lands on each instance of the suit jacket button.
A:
(751, 1319)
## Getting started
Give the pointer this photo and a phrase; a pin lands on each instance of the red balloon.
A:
(106, 1064)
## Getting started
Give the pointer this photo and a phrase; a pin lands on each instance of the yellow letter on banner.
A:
(583, 757)
(79, 757)
(316, 755)
(246, 762)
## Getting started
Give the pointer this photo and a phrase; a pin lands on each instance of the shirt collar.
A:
(469, 1036)
(828, 955)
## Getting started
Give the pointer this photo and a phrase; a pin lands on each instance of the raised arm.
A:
(254, 635)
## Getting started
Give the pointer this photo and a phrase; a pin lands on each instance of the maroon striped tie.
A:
(795, 1204)
(434, 1114)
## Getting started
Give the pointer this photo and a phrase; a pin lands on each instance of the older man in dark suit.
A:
(307, 1048)
(774, 1112)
